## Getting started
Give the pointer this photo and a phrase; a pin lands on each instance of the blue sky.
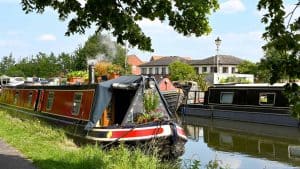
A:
(237, 23)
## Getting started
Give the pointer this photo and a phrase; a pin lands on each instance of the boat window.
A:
(294, 152)
(29, 98)
(50, 101)
(226, 97)
(266, 98)
(16, 97)
(77, 103)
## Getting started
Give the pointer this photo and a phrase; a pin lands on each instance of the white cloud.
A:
(47, 37)
(232, 6)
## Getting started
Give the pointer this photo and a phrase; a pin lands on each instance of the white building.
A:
(216, 67)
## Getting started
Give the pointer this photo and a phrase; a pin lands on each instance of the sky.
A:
(237, 23)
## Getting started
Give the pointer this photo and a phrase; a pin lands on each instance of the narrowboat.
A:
(259, 103)
(128, 109)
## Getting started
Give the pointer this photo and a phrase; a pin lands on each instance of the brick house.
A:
(135, 62)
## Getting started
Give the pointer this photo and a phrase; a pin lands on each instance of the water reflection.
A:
(257, 144)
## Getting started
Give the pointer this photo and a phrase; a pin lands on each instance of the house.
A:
(218, 68)
(225, 64)
(134, 61)
(160, 66)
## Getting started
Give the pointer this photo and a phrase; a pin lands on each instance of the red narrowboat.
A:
(130, 109)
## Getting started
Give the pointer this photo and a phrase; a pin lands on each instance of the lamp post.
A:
(218, 43)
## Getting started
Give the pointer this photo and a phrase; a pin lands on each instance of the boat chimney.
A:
(91, 70)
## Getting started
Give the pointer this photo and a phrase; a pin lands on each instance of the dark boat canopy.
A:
(103, 95)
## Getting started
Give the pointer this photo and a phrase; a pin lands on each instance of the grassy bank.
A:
(49, 148)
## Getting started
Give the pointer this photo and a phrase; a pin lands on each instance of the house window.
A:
(225, 69)
(196, 69)
(144, 71)
(50, 101)
(16, 98)
(163, 70)
(213, 69)
(150, 71)
(76, 103)
(233, 70)
(157, 71)
(226, 97)
(204, 69)
(267, 98)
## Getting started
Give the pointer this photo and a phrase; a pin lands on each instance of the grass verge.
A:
(49, 148)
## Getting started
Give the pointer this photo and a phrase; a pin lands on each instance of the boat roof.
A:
(252, 85)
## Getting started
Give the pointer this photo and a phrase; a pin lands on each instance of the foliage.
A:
(121, 16)
(292, 91)
(6, 63)
(79, 73)
(99, 47)
(114, 69)
(66, 61)
(247, 67)
(259, 70)
(180, 71)
(283, 40)
(101, 68)
(234, 79)
(201, 82)
(150, 101)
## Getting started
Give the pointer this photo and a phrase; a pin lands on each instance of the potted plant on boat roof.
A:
(114, 71)
(77, 77)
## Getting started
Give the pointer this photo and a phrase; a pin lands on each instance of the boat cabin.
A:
(242, 94)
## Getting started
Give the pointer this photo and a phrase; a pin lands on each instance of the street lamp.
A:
(218, 43)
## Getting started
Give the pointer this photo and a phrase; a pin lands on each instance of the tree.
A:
(121, 16)
(6, 63)
(259, 70)
(247, 67)
(99, 47)
(284, 40)
(66, 62)
(180, 71)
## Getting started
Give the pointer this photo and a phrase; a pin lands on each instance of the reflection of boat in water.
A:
(259, 103)
(277, 143)
(129, 109)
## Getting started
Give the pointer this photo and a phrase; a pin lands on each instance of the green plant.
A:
(114, 69)
(82, 74)
(151, 101)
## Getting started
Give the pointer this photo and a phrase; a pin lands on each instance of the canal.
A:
(242, 145)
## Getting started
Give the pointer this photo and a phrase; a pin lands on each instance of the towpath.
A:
(10, 158)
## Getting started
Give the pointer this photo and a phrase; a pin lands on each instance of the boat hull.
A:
(166, 137)
(248, 114)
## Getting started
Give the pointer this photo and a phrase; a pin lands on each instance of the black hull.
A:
(271, 116)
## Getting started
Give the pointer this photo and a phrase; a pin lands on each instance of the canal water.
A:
(242, 145)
